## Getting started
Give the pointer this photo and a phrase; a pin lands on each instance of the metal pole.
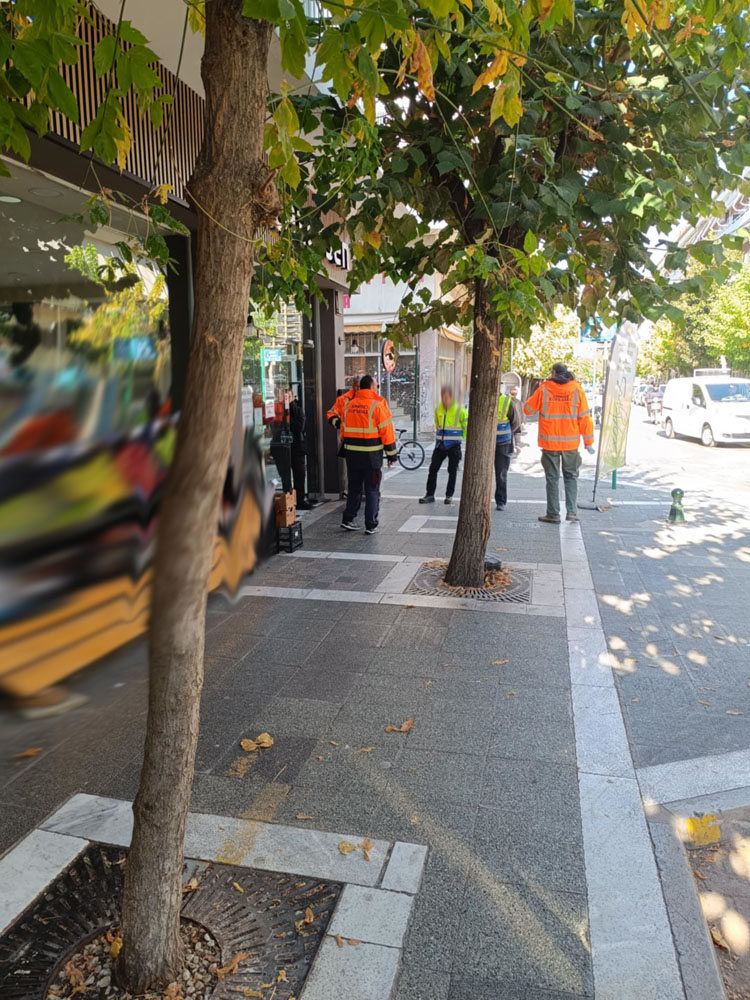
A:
(416, 391)
(510, 357)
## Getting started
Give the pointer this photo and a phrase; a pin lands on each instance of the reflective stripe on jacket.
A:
(504, 430)
(564, 415)
(335, 415)
(367, 426)
(450, 424)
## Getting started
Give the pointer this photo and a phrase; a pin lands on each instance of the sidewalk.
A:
(521, 770)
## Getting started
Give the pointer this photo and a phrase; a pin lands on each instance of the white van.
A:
(713, 408)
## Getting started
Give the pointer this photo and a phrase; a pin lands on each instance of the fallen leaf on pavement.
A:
(174, 992)
(264, 740)
(414, 819)
(281, 978)
(427, 683)
(339, 940)
(116, 947)
(232, 966)
(237, 886)
(247, 992)
(303, 816)
(700, 875)
(353, 941)
(346, 848)
(333, 743)
(408, 605)
(718, 939)
(191, 886)
(706, 703)
(403, 728)
(27, 753)
(733, 711)
(309, 916)
(365, 750)
(367, 845)
(499, 663)
(510, 694)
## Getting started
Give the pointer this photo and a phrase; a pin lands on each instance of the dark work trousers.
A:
(362, 478)
(503, 454)
(439, 455)
(282, 456)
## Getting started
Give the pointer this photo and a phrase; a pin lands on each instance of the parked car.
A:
(715, 409)
(639, 393)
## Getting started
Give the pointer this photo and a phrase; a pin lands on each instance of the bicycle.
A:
(410, 453)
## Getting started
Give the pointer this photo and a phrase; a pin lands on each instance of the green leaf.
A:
(530, 242)
(104, 55)
(290, 172)
(61, 95)
(130, 34)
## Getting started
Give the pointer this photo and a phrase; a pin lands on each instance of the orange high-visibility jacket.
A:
(335, 415)
(367, 428)
(564, 415)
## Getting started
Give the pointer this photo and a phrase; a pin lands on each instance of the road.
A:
(721, 473)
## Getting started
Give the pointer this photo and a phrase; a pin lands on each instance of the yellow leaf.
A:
(303, 816)
(162, 192)
(367, 845)
(115, 947)
(191, 886)
(374, 239)
(632, 19)
(281, 978)
(700, 875)
(422, 66)
(499, 663)
(496, 68)
(353, 941)
(237, 886)
(718, 939)
(339, 940)
(346, 848)
(265, 740)
(365, 750)
(232, 966)
(27, 753)
(309, 916)
(414, 819)
(124, 142)
(333, 743)
(248, 745)
(405, 727)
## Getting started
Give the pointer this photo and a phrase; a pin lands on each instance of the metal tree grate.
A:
(259, 920)
(428, 580)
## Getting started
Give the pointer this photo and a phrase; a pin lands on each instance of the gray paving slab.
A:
(375, 916)
(361, 972)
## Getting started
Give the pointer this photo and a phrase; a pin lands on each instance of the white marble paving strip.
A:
(633, 954)
(687, 779)
(631, 940)
(413, 523)
(29, 868)
(375, 916)
(350, 596)
(225, 839)
(399, 577)
(405, 867)
(360, 972)
(248, 590)
(437, 531)
(366, 557)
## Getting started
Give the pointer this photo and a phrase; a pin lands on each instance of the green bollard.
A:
(676, 513)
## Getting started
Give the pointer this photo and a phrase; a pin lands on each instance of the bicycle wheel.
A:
(411, 455)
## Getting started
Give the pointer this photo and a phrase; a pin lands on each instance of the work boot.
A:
(549, 518)
(572, 517)
(427, 499)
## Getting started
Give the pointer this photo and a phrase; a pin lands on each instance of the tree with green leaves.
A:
(552, 163)
(552, 340)
(248, 164)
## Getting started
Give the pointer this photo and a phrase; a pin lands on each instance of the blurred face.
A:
(514, 390)
(447, 397)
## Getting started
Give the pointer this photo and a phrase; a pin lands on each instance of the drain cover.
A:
(429, 577)
(259, 920)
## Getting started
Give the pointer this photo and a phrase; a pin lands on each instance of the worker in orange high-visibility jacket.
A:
(366, 435)
(564, 418)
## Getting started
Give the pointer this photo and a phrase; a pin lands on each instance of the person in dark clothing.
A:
(289, 447)
(25, 335)
(450, 430)
(507, 427)
(298, 452)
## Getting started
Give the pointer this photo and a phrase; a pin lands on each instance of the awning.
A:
(363, 327)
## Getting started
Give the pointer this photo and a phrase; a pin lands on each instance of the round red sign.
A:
(388, 355)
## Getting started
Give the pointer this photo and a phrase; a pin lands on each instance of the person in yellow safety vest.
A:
(450, 431)
(507, 428)
(366, 435)
(564, 418)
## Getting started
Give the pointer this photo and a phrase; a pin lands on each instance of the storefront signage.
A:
(271, 354)
(388, 355)
(340, 257)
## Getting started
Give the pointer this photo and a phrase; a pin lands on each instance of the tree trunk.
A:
(234, 198)
(466, 566)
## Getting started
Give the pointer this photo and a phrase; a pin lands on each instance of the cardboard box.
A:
(286, 509)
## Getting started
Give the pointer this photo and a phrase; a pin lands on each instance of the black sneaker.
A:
(427, 499)
(448, 500)
(371, 531)
(348, 525)
(499, 506)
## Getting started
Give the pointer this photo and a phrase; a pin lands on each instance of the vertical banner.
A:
(618, 396)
